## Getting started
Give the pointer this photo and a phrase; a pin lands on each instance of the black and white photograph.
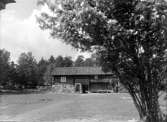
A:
(83, 60)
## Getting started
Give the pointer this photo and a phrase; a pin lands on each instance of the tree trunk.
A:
(147, 105)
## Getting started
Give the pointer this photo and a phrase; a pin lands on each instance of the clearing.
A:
(51, 107)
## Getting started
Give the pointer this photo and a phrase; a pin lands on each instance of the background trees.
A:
(67, 61)
(59, 61)
(89, 62)
(8, 70)
(128, 35)
(13, 79)
(79, 61)
(42, 67)
(28, 73)
(4, 66)
(27, 70)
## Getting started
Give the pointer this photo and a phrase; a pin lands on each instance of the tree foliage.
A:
(51, 59)
(129, 36)
(12, 76)
(89, 62)
(4, 2)
(79, 61)
(59, 61)
(4, 66)
(42, 66)
(67, 61)
(28, 70)
(8, 70)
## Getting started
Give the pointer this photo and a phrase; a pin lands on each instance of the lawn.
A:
(51, 107)
(67, 107)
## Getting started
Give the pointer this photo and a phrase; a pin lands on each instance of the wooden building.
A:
(84, 79)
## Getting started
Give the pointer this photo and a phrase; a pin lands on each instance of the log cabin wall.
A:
(90, 83)
(87, 79)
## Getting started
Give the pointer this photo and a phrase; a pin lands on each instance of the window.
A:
(63, 79)
(96, 77)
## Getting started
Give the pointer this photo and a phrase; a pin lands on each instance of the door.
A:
(85, 88)
(78, 87)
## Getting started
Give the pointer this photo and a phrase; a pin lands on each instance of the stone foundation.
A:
(63, 88)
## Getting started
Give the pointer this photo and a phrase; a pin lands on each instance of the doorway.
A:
(78, 87)
(85, 88)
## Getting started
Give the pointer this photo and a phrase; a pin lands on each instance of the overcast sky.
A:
(19, 32)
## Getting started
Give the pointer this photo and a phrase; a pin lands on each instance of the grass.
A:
(51, 107)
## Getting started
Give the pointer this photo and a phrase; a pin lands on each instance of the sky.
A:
(19, 32)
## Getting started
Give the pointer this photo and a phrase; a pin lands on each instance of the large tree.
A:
(129, 35)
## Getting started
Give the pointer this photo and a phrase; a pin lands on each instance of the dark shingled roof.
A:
(79, 71)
